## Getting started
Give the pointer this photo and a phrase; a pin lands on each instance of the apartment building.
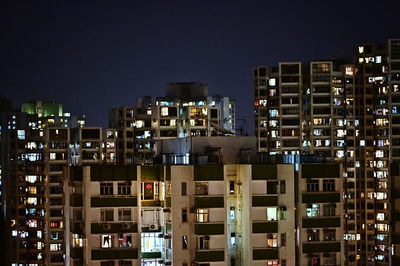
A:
(343, 110)
(185, 110)
(204, 214)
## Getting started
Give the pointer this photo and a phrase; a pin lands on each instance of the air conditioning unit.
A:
(126, 226)
(166, 210)
(106, 226)
(153, 227)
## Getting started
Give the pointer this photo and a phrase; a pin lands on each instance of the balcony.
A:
(113, 173)
(318, 222)
(209, 255)
(264, 201)
(209, 229)
(321, 170)
(320, 197)
(266, 254)
(263, 171)
(319, 247)
(115, 254)
(209, 202)
(113, 201)
(265, 227)
(100, 228)
(152, 173)
(208, 172)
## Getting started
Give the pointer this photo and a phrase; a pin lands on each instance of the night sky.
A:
(94, 55)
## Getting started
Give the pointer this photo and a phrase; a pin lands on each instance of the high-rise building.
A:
(185, 110)
(205, 212)
(344, 110)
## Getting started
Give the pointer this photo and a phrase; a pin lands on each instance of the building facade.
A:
(186, 110)
(343, 110)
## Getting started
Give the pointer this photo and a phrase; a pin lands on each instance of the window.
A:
(203, 242)
(312, 185)
(282, 213)
(106, 241)
(201, 188)
(312, 235)
(283, 239)
(184, 242)
(272, 187)
(106, 189)
(124, 215)
(329, 209)
(272, 241)
(124, 240)
(183, 189)
(124, 188)
(232, 213)
(232, 187)
(77, 240)
(184, 215)
(271, 214)
(329, 234)
(107, 215)
(233, 239)
(312, 210)
(202, 215)
(328, 185)
(151, 242)
(282, 187)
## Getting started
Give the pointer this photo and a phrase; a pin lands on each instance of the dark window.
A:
(184, 215)
(183, 189)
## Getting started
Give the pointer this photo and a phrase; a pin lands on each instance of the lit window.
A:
(124, 240)
(232, 213)
(271, 214)
(272, 240)
(106, 241)
(312, 210)
(202, 215)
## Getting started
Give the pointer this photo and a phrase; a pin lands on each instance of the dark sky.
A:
(94, 55)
